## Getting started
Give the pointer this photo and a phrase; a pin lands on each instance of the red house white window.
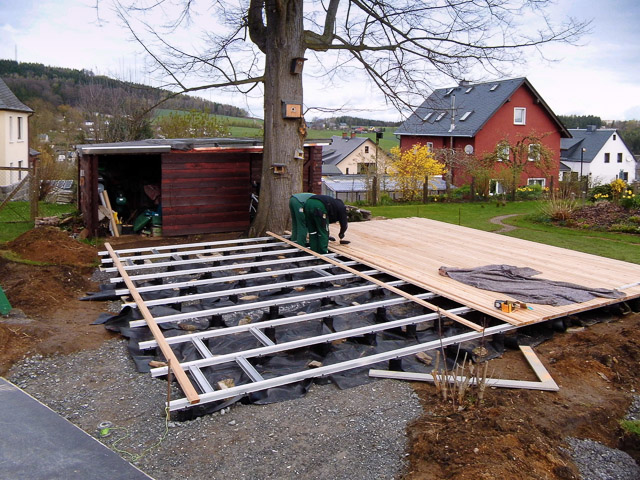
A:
(519, 116)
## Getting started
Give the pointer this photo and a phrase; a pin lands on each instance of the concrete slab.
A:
(37, 443)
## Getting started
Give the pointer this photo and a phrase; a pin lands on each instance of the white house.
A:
(599, 154)
(351, 155)
(14, 135)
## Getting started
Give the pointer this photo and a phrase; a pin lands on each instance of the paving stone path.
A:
(498, 221)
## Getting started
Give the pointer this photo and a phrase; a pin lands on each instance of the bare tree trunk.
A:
(284, 41)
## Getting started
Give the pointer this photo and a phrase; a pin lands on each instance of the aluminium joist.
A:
(122, 253)
(269, 348)
(202, 260)
(253, 289)
(264, 304)
(201, 271)
(242, 272)
(280, 322)
(339, 367)
(320, 269)
(202, 251)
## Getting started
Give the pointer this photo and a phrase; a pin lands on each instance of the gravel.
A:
(596, 461)
(358, 433)
(599, 462)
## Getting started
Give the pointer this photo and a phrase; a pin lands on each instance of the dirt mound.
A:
(37, 289)
(602, 215)
(52, 245)
(517, 434)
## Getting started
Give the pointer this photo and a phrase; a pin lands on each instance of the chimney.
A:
(353, 134)
(344, 134)
(591, 128)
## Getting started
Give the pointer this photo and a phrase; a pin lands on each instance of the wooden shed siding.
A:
(88, 192)
(312, 170)
(204, 193)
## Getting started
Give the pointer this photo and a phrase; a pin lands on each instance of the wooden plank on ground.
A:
(413, 249)
(181, 376)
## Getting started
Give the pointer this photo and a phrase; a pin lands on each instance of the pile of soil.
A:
(522, 433)
(603, 215)
(54, 246)
(48, 317)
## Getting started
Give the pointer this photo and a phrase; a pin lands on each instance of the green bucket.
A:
(5, 306)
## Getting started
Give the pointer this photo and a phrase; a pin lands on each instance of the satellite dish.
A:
(468, 149)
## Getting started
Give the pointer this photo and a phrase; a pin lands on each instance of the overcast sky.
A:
(600, 77)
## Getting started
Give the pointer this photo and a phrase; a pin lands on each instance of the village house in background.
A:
(599, 154)
(352, 155)
(349, 167)
(475, 118)
(14, 136)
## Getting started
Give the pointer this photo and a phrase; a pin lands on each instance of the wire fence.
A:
(16, 196)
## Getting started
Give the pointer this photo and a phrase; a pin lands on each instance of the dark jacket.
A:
(336, 211)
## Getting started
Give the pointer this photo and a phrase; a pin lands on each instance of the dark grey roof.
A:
(340, 148)
(474, 105)
(328, 169)
(8, 101)
(591, 139)
(564, 167)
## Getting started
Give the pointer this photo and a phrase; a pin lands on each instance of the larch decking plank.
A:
(414, 248)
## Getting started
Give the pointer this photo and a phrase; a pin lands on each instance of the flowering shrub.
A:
(530, 192)
(601, 192)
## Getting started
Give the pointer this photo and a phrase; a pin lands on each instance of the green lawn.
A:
(14, 217)
(620, 246)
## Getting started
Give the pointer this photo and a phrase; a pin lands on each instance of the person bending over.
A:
(319, 212)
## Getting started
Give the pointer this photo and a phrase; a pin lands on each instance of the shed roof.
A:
(160, 145)
(473, 106)
(8, 101)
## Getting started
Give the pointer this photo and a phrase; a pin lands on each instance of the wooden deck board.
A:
(414, 248)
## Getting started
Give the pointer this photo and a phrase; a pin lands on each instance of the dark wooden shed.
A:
(197, 185)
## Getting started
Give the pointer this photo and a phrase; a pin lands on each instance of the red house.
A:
(475, 118)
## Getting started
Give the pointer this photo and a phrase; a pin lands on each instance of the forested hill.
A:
(83, 90)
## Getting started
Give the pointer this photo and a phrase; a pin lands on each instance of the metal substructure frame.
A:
(259, 259)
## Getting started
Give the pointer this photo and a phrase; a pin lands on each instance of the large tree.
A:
(403, 46)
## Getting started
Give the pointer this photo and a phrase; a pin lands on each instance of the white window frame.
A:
(505, 154)
(11, 140)
(499, 189)
(430, 146)
(538, 181)
(529, 155)
(519, 116)
(20, 126)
